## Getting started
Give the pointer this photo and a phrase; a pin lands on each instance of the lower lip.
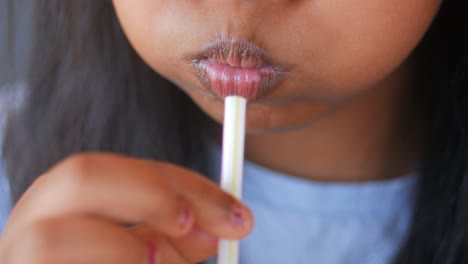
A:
(225, 80)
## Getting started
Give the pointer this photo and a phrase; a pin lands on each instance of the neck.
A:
(370, 138)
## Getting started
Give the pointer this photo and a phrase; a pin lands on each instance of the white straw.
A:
(232, 165)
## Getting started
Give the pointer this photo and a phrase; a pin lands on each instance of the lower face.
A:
(323, 52)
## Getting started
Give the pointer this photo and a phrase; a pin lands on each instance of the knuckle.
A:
(80, 164)
(76, 171)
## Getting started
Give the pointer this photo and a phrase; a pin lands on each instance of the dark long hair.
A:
(89, 91)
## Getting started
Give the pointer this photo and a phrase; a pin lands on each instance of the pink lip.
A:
(226, 80)
(236, 68)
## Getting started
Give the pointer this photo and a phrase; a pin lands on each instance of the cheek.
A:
(353, 46)
(148, 25)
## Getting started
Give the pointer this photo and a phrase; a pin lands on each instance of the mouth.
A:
(227, 67)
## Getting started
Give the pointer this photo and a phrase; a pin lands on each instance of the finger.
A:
(87, 240)
(218, 213)
(109, 186)
(77, 240)
(197, 246)
(133, 191)
(161, 250)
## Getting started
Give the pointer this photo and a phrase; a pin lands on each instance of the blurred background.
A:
(15, 22)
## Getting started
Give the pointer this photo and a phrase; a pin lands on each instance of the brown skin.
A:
(339, 57)
(339, 114)
(75, 213)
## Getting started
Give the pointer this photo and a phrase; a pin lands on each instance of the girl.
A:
(356, 143)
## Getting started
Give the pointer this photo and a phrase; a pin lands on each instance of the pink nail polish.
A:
(151, 252)
(238, 217)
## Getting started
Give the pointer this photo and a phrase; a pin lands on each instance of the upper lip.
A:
(236, 53)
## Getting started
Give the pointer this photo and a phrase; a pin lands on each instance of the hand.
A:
(105, 208)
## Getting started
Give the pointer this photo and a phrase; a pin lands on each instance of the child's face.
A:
(327, 50)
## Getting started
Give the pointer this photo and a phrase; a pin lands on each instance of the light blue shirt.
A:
(11, 97)
(300, 221)
(4, 199)
(5, 206)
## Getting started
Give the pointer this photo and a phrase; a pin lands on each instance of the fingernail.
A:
(152, 252)
(238, 217)
(184, 218)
